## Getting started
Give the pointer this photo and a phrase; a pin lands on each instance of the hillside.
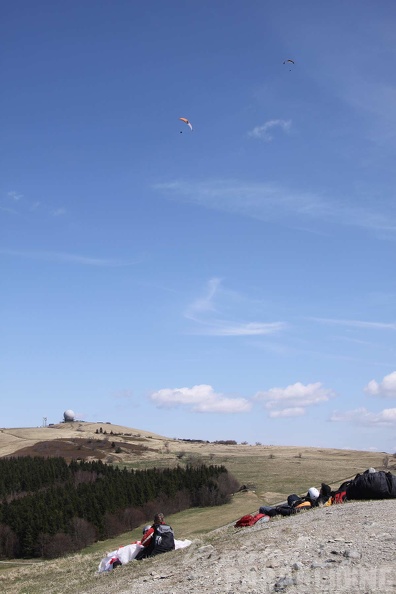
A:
(320, 550)
(13, 440)
(344, 549)
(271, 472)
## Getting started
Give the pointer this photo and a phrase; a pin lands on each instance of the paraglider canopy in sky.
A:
(290, 62)
(185, 120)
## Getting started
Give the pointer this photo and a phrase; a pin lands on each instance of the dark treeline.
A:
(27, 474)
(50, 508)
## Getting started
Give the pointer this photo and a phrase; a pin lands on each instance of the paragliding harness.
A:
(339, 497)
(296, 503)
(163, 540)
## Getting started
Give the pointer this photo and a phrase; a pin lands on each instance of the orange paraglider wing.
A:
(185, 120)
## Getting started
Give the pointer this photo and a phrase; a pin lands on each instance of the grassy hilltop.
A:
(270, 473)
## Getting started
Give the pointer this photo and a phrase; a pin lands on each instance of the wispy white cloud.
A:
(16, 203)
(14, 196)
(205, 303)
(350, 339)
(361, 416)
(374, 99)
(356, 74)
(225, 328)
(124, 395)
(263, 201)
(296, 411)
(206, 315)
(263, 132)
(267, 201)
(8, 210)
(59, 212)
(357, 323)
(201, 398)
(294, 399)
(64, 257)
(386, 388)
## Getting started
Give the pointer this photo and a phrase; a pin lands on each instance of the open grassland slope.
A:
(271, 472)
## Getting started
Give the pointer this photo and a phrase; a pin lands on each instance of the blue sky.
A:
(236, 281)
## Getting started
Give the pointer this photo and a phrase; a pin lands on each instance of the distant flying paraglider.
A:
(185, 120)
(289, 62)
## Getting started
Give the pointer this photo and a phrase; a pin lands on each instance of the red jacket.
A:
(147, 536)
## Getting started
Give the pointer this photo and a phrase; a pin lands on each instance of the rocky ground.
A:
(348, 548)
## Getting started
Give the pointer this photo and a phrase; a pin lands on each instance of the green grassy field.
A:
(275, 472)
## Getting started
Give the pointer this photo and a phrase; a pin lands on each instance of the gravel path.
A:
(348, 548)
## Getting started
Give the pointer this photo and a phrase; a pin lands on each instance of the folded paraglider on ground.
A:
(371, 484)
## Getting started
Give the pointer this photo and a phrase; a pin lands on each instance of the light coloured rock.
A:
(206, 549)
(352, 554)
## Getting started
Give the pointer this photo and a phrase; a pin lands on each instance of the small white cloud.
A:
(59, 212)
(386, 388)
(296, 395)
(361, 416)
(297, 411)
(224, 405)
(262, 132)
(201, 398)
(14, 196)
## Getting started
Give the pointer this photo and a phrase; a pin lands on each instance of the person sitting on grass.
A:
(158, 539)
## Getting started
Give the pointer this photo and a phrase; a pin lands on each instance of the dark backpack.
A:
(294, 500)
(376, 485)
(163, 539)
(268, 510)
(285, 510)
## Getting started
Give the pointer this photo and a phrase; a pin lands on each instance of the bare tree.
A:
(57, 545)
(83, 533)
(9, 543)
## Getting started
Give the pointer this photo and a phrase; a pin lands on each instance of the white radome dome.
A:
(69, 415)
